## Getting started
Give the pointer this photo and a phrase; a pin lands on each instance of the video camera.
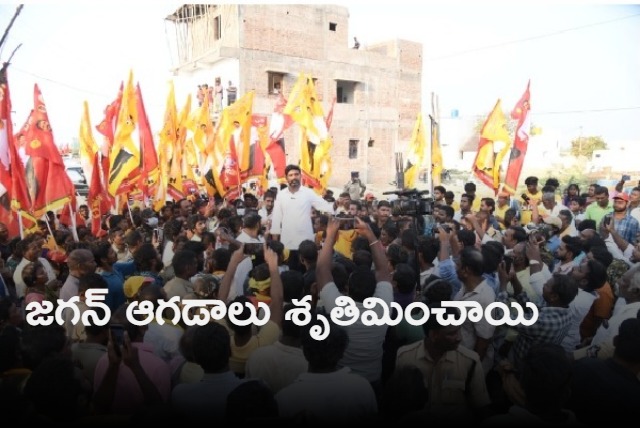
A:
(411, 202)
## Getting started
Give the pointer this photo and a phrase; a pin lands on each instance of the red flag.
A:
(230, 174)
(108, 129)
(256, 153)
(98, 198)
(48, 184)
(99, 201)
(279, 123)
(108, 125)
(148, 169)
(13, 190)
(521, 142)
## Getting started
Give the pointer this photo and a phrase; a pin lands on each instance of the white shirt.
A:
(167, 253)
(630, 310)
(264, 216)
(538, 280)
(617, 253)
(579, 308)
(364, 352)
(555, 212)
(165, 340)
(292, 215)
(635, 213)
(470, 331)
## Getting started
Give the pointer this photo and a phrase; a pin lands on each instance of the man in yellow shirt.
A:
(501, 208)
(532, 194)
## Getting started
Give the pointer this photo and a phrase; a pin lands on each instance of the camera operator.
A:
(382, 216)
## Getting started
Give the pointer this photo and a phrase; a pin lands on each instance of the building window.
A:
(353, 149)
(275, 82)
(332, 26)
(370, 143)
(345, 91)
(217, 27)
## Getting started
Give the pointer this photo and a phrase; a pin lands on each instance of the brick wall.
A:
(387, 98)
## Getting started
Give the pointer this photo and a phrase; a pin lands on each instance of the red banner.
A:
(521, 142)
(48, 184)
(13, 188)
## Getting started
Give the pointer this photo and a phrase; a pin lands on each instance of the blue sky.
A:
(583, 59)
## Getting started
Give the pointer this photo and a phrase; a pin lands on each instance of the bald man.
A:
(80, 262)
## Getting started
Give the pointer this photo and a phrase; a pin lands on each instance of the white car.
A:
(76, 174)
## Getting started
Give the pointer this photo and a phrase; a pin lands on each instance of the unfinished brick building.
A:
(262, 47)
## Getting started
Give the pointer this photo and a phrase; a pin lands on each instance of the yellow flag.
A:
(436, 154)
(300, 103)
(88, 145)
(177, 170)
(235, 119)
(495, 127)
(415, 153)
(166, 145)
(199, 123)
(494, 134)
(125, 153)
(319, 134)
(315, 142)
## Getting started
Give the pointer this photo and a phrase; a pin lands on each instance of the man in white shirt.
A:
(291, 221)
(551, 205)
(266, 212)
(32, 245)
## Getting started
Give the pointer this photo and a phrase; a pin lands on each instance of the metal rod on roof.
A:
(13, 19)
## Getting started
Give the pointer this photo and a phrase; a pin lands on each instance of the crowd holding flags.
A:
(495, 143)
(242, 147)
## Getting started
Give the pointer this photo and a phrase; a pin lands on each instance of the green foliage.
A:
(585, 146)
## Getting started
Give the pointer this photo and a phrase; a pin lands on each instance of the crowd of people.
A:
(215, 95)
(575, 256)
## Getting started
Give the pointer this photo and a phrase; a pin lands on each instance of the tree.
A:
(585, 146)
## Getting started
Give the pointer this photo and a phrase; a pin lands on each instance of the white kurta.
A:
(292, 215)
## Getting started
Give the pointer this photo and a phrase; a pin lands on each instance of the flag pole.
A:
(20, 225)
(46, 220)
(129, 209)
(74, 230)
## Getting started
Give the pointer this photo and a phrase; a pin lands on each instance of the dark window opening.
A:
(353, 149)
(275, 83)
(345, 91)
(217, 28)
(333, 26)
